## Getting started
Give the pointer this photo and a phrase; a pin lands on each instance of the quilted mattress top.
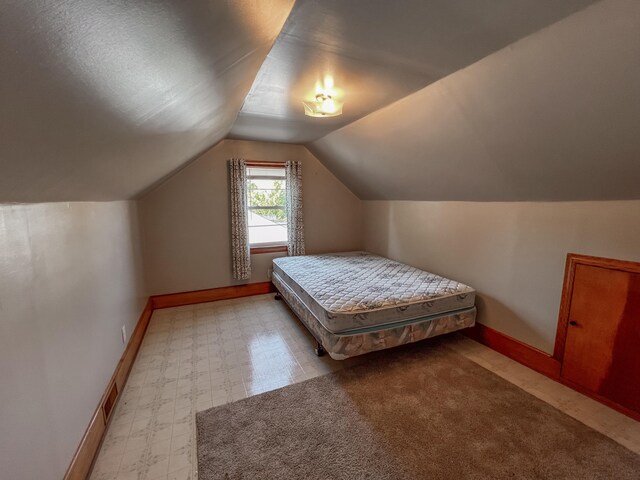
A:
(357, 289)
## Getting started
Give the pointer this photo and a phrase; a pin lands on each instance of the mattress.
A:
(355, 290)
(358, 342)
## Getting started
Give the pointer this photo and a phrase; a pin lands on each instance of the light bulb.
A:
(324, 106)
(328, 106)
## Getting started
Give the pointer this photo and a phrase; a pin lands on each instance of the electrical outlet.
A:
(269, 273)
(124, 334)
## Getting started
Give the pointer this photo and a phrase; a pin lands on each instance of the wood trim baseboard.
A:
(84, 457)
(85, 454)
(516, 350)
(599, 398)
(536, 360)
(211, 295)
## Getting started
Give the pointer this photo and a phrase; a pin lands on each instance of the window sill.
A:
(270, 249)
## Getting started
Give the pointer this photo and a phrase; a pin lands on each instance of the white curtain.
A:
(240, 258)
(295, 223)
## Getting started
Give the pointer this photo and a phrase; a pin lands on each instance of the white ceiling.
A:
(103, 98)
(377, 51)
(555, 116)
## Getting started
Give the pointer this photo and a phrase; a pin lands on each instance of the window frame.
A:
(271, 247)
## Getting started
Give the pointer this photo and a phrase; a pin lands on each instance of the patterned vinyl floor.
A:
(196, 357)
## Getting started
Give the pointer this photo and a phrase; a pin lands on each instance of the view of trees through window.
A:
(267, 200)
(272, 201)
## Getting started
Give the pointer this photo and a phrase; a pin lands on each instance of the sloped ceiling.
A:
(377, 51)
(555, 116)
(102, 98)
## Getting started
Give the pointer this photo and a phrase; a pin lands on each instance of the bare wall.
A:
(512, 253)
(185, 221)
(70, 277)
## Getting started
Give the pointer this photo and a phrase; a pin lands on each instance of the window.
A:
(267, 197)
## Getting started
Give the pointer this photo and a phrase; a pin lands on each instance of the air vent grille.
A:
(109, 402)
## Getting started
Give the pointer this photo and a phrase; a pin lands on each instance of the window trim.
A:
(264, 164)
(268, 249)
(258, 248)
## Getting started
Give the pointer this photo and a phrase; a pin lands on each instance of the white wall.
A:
(512, 253)
(70, 277)
(185, 221)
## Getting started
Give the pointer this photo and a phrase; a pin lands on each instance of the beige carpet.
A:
(422, 411)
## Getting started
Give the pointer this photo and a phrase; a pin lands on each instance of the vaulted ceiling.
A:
(103, 98)
(444, 99)
(555, 116)
(377, 51)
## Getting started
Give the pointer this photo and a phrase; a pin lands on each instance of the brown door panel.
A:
(602, 349)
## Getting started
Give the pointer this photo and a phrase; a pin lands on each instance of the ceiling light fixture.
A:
(323, 106)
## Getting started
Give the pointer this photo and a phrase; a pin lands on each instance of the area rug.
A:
(418, 412)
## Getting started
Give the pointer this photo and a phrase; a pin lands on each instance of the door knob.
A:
(573, 323)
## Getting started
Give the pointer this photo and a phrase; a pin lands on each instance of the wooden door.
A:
(602, 345)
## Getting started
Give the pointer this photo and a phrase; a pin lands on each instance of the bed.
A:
(357, 302)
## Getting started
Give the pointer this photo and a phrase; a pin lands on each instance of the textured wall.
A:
(512, 253)
(185, 221)
(70, 277)
(554, 116)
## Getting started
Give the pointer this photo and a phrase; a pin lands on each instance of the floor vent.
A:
(109, 402)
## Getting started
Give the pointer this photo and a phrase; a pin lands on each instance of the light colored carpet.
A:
(422, 411)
